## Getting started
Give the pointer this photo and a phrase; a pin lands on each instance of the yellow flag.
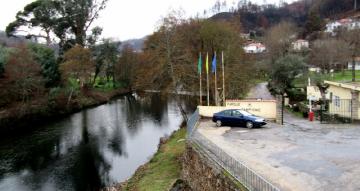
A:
(207, 63)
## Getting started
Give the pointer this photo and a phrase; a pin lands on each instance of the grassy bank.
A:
(162, 170)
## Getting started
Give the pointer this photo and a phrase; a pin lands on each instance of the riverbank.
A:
(25, 116)
(163, 170)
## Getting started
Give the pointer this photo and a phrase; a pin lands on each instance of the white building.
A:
(255, 48)
(348, 24)
(357, 64)
(300, 45)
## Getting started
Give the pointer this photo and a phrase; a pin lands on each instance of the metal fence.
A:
(246, 176)
(192, 123)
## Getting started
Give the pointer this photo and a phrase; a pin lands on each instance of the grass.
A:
(336, 76)
(343, 77)
(163, 169)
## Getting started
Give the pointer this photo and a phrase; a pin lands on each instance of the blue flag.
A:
(214, 63)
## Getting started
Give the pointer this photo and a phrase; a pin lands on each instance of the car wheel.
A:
(249, 125)
(218, 123)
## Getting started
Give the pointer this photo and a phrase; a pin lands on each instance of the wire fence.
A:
(245, 175)
(192, 123)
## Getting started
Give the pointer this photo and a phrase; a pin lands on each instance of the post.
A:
(309, 84)
(207, 78)
(223, 75)
(282, 108)
(215, 92)
(279, 109)
(354, 105)
(200, 90)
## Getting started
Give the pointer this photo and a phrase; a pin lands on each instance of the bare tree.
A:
(352, 37)
(278, 39)
(330, 54)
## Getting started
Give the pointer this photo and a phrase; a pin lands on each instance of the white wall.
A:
(265, 109)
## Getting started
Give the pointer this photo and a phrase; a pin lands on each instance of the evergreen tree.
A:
(314, 22)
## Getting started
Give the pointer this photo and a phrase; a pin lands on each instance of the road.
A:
(260, 91)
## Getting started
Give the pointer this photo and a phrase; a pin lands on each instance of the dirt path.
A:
(260, 91)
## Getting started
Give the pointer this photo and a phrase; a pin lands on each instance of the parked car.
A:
(236, 117)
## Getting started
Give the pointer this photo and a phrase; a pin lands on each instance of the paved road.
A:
(299, 156)
(260, 91)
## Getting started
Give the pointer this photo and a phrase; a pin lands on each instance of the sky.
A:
(129, 19)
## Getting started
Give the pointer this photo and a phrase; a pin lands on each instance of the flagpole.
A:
(200, 82)
(216, 101)
(223, 75)
(207, 78)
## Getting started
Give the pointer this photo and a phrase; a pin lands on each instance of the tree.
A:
(80, 15)
(314, 22)
(278, 39)
(106, 56)
(128, 62)
(23, 74)
(352, 37)
(49, 65)
(4, 55)
(330, 54)
(78, 64)
(285, 70)
(38, 14)
(68, 20)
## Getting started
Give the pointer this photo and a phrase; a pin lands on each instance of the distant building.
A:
(348, 24)
(300, 45)
(357, 64)
(255, 48)
(314, 69)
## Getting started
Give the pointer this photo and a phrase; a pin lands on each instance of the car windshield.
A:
(245, 113)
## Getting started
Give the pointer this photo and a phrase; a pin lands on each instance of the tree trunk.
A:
(353, 69)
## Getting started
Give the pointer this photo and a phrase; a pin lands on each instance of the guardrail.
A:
(245, 175)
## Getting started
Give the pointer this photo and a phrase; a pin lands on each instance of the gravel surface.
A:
(298, 156)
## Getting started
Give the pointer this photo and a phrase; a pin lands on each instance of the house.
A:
(347, 23)
(344, 99)
(300, 45)
(254, 48)
(332, 26)
(357, 64)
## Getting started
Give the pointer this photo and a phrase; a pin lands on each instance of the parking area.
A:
(297, 156)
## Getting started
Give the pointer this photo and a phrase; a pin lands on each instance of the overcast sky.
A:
(126, 19)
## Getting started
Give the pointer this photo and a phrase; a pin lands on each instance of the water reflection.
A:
(90, 149)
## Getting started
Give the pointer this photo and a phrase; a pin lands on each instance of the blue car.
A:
(235, 117)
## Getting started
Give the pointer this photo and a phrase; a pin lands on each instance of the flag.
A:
(200, 64)
(213, 66)
(207, 63)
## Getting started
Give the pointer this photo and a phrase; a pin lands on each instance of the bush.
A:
(296, 95)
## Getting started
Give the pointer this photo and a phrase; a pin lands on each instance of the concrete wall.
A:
(262, 108)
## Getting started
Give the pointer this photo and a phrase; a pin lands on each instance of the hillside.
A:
(136, 44)
(258, 18)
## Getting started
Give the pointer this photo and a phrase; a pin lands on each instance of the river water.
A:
(91, 149)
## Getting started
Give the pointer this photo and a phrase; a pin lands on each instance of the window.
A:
(237, 113)
(337, 101)
(227, 113)
(331, 97)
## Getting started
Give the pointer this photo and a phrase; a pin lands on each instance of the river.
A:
(91, 149)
